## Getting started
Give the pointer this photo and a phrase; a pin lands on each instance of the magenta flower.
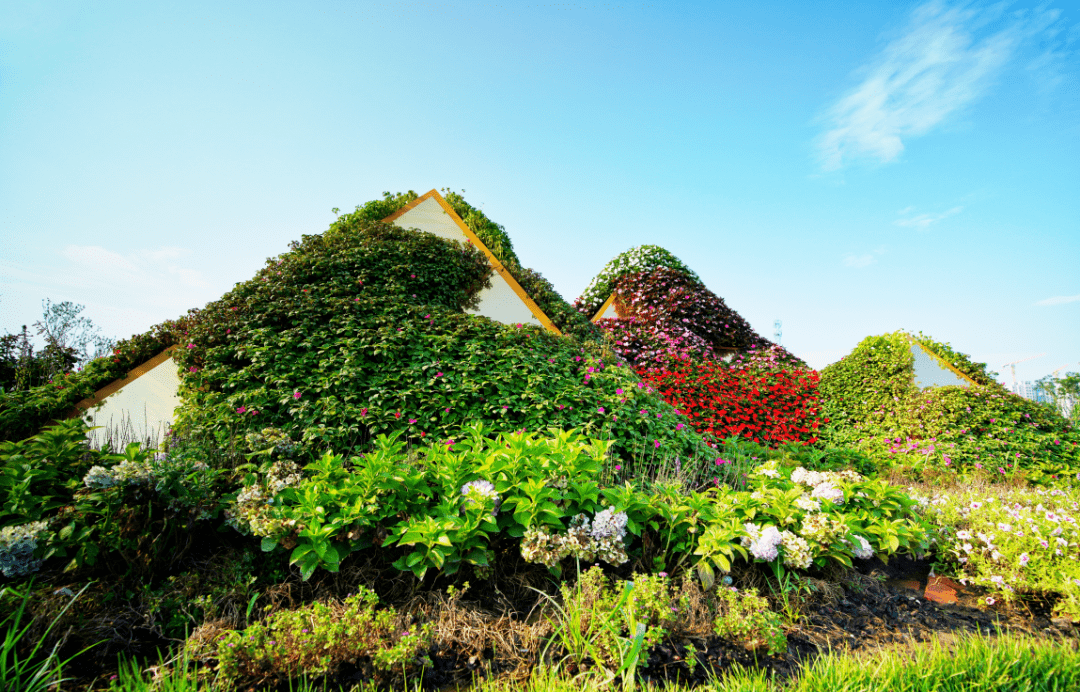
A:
(296, 395)
(191, 345)
(412, 420)
(618, 391)
(601, 409)
(657, 443)
(241, 409)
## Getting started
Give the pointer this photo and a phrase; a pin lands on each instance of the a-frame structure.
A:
(930, 370)
(608, 311)
(139, 406)
(505, 301)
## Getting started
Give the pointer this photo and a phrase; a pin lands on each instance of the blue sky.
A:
(850, 170)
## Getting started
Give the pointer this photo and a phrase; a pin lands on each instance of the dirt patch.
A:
(877, 608)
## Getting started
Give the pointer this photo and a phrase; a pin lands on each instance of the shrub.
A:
(747, 619)
(319, 639)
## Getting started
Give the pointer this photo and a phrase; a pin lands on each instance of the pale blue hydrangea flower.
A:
(475, 490)
(17, 545)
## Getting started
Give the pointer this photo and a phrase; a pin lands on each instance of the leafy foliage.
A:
(319, 638)
(360, 332)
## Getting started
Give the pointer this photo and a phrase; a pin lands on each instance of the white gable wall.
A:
(141, 409)
(610, 313)
(930, 373)
(500, 302)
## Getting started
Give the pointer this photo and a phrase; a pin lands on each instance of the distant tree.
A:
(68, 339)
(1063, 394)
(63, 328)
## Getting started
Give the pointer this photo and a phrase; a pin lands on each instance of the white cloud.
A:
(1059, 300)
(863, 260)
(923, 221)
(120, 290)
(945, 59)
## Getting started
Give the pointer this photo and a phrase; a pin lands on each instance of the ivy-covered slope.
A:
(666, 311)
(873, 404)
(360, 331)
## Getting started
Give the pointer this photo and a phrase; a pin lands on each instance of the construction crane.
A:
(1053, 374)
(1012, 366)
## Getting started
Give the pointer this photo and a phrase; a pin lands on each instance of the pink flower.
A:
(397, 415)
(296, 395)
(657, 443)
(601, 409)
(191, 345)
(412, 420)
(241, 409)
(438, 374)
(193, 369)
(618, 391)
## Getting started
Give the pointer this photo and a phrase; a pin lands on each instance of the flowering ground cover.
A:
(722, 400)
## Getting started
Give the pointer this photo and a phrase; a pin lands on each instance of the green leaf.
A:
(268, 544)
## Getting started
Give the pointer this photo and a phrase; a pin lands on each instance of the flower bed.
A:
(722, 400)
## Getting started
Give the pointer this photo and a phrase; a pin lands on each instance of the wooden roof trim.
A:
(492, 259)
(941, 361)
(604, 307)
(419, 200)
(118, 384)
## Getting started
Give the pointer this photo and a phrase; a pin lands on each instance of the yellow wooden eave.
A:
(941, 361)
(492, 259)
(604, 307)
(118, 384)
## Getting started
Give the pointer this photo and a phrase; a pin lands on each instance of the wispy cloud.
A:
(1059, 300)
(863, 260)
(123, 292)
(924, 221)
(944, 60)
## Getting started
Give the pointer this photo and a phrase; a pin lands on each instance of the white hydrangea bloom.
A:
(100, 477)
(862, 550)
(826, 491)
(609, 524)
(807, 504)
(765, 547)
(796, 551)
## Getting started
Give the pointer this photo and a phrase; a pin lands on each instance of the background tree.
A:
(68, 343)
(1063, 394)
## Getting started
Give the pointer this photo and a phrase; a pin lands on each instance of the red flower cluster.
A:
(769, 408)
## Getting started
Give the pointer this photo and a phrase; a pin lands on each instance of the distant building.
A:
(1029, 390)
